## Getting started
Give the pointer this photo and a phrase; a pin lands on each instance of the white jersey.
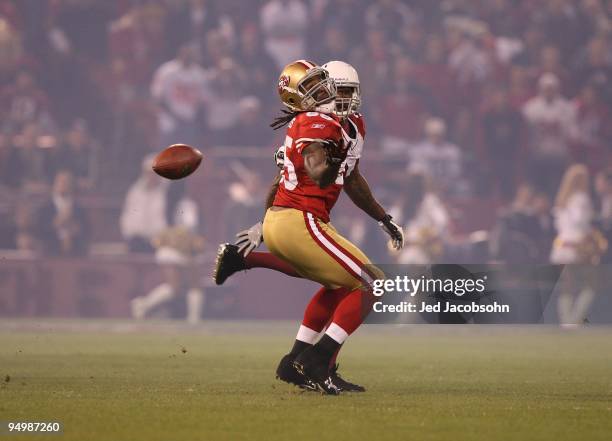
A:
(354, 133)
(181, 89)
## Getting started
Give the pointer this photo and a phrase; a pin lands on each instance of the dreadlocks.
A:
(283, 120)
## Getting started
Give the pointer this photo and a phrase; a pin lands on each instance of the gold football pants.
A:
(315, 249)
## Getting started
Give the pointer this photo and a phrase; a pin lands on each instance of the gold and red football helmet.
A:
(304, 86)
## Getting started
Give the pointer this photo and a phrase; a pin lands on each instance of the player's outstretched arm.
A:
(357, 188)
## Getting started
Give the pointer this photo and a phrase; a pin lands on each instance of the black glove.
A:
(336, 151)
(393, 230)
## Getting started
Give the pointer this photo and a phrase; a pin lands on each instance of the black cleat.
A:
(228, 261)
(315, 368)
(346, 386)
(287, 372)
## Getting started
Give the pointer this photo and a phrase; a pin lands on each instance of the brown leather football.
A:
(177, 161)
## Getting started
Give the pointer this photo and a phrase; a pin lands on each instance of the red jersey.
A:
(296, 189)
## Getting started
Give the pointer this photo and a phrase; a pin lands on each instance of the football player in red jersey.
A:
(321, 154)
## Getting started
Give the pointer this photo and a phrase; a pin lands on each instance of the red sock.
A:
(321, 307)
(351, 312)
(270, 261)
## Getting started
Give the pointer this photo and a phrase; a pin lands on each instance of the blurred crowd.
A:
(483, 99)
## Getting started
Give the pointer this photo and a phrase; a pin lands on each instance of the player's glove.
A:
(336, 151)
(393, 230)
(248, 240)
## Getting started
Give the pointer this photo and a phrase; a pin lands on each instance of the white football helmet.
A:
(347, 82)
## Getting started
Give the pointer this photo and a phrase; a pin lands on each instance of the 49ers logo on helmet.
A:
(283, 82)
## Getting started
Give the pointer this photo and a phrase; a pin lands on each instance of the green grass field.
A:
(116, 381)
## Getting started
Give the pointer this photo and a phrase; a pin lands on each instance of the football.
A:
(177, 161)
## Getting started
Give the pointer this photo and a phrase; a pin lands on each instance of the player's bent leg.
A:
(353, 309)
(356, 265)
(319, 253)
(259, 259)
(316, 250)
(230, 261)
(314, 361)
(320, 310)
(318, 313)
(318, 316)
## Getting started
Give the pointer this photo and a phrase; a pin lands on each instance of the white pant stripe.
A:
(331, 247)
